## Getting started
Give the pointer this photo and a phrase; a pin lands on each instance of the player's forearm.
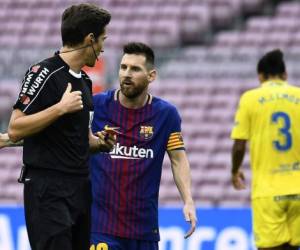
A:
(182, 177)
(237, 154)
(183, 183)
(22, 126)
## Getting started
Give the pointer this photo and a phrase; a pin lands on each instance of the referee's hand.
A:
(70, 101)
(106, 141)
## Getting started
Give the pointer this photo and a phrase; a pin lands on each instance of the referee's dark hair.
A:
(272, 64)
(140, 49)
(80, 20)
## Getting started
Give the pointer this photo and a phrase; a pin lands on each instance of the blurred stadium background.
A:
(206, 51)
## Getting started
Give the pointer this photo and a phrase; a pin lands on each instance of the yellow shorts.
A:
(276, 220)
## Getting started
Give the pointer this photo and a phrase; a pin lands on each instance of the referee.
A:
(52, 115)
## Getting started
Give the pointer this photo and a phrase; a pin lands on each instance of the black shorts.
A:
(57, 210)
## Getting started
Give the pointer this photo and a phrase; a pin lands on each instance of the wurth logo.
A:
(124, 152)
(30, 87)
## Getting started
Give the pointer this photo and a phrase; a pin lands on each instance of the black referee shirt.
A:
(64, 145)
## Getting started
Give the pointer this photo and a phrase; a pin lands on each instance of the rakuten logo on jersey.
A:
(124, 152)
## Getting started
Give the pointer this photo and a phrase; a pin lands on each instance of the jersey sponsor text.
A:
(124, 152)
(37, 82)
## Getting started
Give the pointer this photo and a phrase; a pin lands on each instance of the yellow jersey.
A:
(269, 117)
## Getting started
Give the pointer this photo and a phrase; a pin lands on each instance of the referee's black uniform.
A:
(57, 194)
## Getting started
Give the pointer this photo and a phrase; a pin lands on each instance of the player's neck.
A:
(72, 58)
(133, 103)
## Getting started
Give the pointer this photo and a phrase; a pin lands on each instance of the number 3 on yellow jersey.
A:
(283, 131)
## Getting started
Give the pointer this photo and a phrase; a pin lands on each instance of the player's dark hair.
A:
(80, 20)
(271, 64)
(140, 49)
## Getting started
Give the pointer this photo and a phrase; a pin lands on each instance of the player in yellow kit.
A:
(269, 118)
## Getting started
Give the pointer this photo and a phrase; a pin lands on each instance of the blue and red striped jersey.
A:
(125, 181)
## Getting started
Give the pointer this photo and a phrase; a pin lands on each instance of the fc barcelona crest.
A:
(146, 132)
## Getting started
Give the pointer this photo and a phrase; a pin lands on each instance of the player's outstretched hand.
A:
(106, 141)
(238, 180)
(189, 212)
(4, 139)
(71, 101)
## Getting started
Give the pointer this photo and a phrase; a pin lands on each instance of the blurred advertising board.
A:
(218, 229)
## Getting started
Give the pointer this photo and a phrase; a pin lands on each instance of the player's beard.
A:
(132, 92)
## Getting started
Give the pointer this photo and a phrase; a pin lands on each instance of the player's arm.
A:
(240, 134)
(22, 125)
(182, 178)
(237, 156)
(6, 142)
(101, 142)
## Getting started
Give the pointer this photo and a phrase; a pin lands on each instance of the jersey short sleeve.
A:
(35, 95)
(241, 129)
(175, 140)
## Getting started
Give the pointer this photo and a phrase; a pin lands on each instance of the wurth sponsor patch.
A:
(33, 81)
(37, 87)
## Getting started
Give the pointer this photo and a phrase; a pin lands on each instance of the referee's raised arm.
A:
(22, 125)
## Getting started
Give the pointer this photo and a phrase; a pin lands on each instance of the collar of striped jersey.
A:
(274, 82)
(117, 94)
